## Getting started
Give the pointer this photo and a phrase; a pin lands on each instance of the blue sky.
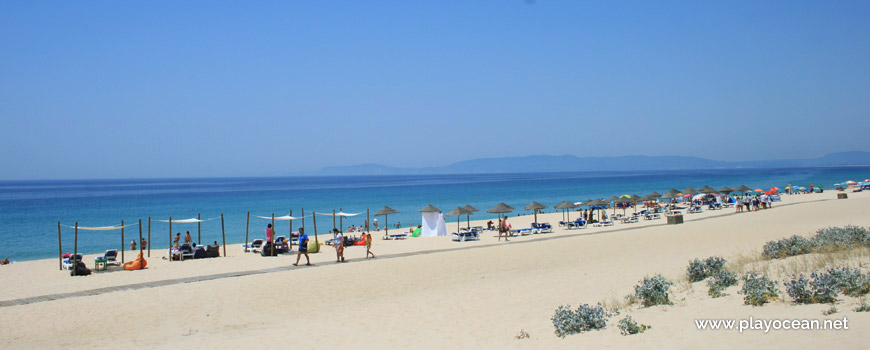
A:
(105, 89)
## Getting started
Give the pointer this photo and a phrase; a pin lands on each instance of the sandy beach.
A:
(435, 293)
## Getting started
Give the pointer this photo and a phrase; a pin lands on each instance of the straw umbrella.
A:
(458, 212)
(469, 210)
(386, 211)
(598, 203)
(708, 190)
(535, 206)
(500, 208)
(613, 199)
(635, 198)
(565, 205)
(743, 189)
(725, 190)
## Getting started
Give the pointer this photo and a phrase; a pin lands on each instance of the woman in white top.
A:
(338, 241)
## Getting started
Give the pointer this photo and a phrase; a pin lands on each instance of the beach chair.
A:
(462, 236)
(185, 251)
(579, 223)
(281, 244)
(694, 210)
(542, 228)
(111, 257)
(68, 261)
(254, 246)
(396, 236)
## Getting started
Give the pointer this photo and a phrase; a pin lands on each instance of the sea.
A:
(30, 210)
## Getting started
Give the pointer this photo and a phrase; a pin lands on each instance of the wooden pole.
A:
(387, 225)
(247, 227)
(223, 235)
(140, 238)
(59, 249)
(367, 219)
(273, 235)
(75, 256)
(149, 237)
(333, 220)
(536, 216)
(314, 217)
(122, 241)
(170, 239)
(341, 221)
(290, 236)
(198, 229)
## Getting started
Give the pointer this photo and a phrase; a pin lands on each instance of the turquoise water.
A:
(30, 210)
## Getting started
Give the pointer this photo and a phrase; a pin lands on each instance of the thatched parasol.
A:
(535, 206)
(385, 212)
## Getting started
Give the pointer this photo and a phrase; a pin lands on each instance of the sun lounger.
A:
(396, 236)
(603, 223)
(472, 235)
(68, 261)
(185, 251)
(629, 219)
(111, 257)
(254, 246)
(542, 228)
(694, 210)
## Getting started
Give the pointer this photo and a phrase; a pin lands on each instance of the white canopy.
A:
(433, 225)
(281, 218)
(186, 221)
(343, 214)
(101, 228)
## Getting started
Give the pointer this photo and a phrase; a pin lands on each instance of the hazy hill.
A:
(547, 163)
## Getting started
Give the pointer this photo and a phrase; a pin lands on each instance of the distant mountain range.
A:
(567, 163)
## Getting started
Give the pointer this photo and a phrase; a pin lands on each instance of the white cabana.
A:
(433, 225)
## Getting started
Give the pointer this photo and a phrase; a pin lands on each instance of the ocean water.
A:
(30, 210)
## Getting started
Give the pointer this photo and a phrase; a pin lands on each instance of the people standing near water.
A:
(303, 248)
(338, 242)
(369, 245)
(177, 239)
(739, 204)
(187, 238)
(133, 245)
(144, 244)
(269, 233)
(376, 225)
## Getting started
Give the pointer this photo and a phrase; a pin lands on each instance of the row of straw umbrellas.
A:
(502, 208)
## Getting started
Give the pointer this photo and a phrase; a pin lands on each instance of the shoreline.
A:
(419, 291)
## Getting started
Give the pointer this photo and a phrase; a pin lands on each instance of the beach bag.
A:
(267, 249)
(199, 253)
(213, 251)
(81, 270)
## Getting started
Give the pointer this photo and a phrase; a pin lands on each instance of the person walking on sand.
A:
(303, 248)
(338, 242)
(376, 224)
(369, 245)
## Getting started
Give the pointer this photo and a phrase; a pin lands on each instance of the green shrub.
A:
(627, 326)
(652, 291)
(721, 279)
(758, 290)
(585, 318)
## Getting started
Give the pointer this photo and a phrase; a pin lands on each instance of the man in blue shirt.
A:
(303, 248)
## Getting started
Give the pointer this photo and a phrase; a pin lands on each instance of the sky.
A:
(121, 89)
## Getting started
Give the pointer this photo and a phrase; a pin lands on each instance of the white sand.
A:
(445, 298)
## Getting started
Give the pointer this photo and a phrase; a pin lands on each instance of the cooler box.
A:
(842, 196)
(675, 219)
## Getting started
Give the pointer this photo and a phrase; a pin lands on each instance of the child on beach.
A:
(369, 246)
(303, 248)
(338, 241)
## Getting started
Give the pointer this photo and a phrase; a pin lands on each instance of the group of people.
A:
(754, 203)
(338, 242)
(144, 244)
(187, 239)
